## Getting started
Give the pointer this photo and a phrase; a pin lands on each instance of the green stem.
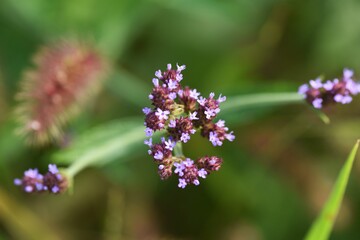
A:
(73, 169)
(322, 115)
(260, 99)
(178, 150)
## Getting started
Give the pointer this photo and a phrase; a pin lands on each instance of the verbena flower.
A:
(53, 181)
(181, 112)
(320, 93)
(65, 76)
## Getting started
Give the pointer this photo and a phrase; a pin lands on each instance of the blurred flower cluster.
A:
(182, 111)
(53, 181)
(320, 94)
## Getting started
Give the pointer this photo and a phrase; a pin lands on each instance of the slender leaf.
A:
(321, 228)
(103, 144)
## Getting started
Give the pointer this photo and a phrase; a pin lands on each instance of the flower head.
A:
(181, 111)
(321, 94)
(31, 182)
(53, 181)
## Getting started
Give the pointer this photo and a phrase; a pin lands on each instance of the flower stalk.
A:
(260, 99)
(178, 151)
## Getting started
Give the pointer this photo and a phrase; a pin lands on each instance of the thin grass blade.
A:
(321, 228)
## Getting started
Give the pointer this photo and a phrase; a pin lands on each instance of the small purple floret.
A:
(213, 138)
(55, 189)
(202, 101)
(230, 136)
(162, 115)
(158, 155)
(316, 84)
(17, 181)
(155, 82)
(173, 84)
(317, 103)
(149, 132)
(348, 74)
(28, 189)
(158, 74)
(185, 137)
(169, 144)
(53, 169)
(202, 173)
(146, 110)
(179, 167)
(192, 116)
(303, 89)
(32, 173)
(172, 96)
(182, 183)
(221, 99)
(194, 94)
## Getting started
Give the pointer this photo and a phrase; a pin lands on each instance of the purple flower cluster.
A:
(33, 181)
(320, 94)
(181, 111)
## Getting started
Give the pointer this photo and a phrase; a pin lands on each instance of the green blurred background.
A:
(276, 174)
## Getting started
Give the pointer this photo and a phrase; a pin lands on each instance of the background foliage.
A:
(276, 175)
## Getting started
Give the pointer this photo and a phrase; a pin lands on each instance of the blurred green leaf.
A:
(129, 87)
(321, 228)
(11, 145)
(241, 186)
(109, 22)
(17, 43)
(102, 144)
(21, 222)
(331, 51)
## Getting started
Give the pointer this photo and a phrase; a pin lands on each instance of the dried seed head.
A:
(66, 75)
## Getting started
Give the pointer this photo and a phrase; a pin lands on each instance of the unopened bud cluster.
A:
(320, 94)
(53, 181)
(182, 111)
